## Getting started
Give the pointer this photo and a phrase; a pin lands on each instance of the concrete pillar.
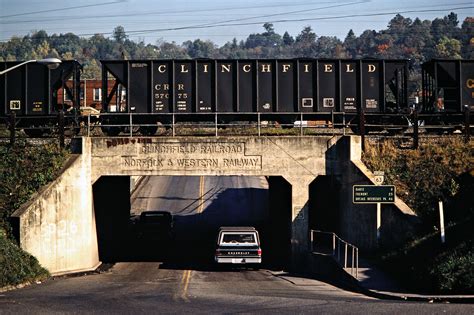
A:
(112, 210)
(299, 219)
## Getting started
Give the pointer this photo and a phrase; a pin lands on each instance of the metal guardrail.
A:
(328, 243)
(259, 120)
(248, 123)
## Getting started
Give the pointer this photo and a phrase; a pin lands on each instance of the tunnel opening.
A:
(324, 212)
(199, 205)
(112, 215)
(279, 224)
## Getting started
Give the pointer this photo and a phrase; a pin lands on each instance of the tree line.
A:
(403, 38)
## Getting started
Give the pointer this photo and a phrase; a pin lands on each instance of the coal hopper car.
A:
(31, 93)
(150, 92)
(448, 93)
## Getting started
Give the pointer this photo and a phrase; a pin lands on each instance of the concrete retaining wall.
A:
(57, 225)
(358, 221)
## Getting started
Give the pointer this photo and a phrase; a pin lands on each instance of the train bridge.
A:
(60, 225)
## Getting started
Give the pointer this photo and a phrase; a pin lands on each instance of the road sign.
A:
(373, 194)
(379, 177)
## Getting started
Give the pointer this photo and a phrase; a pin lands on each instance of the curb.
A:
(464, 299)
(341, 275)
(386, 295)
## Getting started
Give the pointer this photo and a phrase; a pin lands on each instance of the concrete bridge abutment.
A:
(290, 164)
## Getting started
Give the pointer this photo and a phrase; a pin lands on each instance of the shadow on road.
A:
(192, 245)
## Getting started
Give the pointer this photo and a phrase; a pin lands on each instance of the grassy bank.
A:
(441, 170)
(23, 170)
(17, 266)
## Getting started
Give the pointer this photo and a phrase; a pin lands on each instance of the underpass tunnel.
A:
(199, 205)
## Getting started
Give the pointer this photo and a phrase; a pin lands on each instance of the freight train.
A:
(31, 93)
(147, 93)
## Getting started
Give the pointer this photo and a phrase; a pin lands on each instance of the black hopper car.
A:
(149, 93)
(448, 92)
(31, 93)
(169, 91)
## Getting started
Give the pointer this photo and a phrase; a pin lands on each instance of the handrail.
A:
(335, 251)
(335, 123)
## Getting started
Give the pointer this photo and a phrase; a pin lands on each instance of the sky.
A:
(154, 21)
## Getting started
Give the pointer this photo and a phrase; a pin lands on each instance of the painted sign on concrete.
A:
(191, 156)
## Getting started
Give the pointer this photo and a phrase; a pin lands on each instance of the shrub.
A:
(439, 170)
(454, 271)
(17, 266)
(23, 170)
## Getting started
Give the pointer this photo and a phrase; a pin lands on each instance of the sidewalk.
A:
(378, 284)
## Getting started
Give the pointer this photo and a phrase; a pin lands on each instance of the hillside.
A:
(439, 170)
(23, 170)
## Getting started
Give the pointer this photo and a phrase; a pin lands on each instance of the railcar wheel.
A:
(34, 133)
(110, 131)
(72, 131)
(148, 131)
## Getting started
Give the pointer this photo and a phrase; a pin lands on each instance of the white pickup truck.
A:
(238, 245)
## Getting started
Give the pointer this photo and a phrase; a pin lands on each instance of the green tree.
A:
(419, 41)
(233, 50)
(200, 49)
(366, 44)
(266, 39)
(66, 42)
(42, 50)
(326, 46)
(307, 36)
(99, 46)
(148, 51)
(447, 26)
(398, 26)
(350, 44)
(119, 34)
(172, 51)
(448, 48)
(305, 43)
(467, 38)
(288, 40)
(37, 38)
(68, 56)
(91, 70)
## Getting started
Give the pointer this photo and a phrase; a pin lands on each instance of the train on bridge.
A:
(150, 93)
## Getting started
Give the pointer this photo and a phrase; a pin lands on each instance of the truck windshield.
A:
(238, 238)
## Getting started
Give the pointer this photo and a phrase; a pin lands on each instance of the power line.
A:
(224, 24)
(291, 12)
(293, 20)
(141, 14)
(63, 9)
(161, 12)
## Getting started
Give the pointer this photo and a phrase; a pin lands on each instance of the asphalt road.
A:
(222, 199)
(179, 278)
(200, 205)
(146, 288)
